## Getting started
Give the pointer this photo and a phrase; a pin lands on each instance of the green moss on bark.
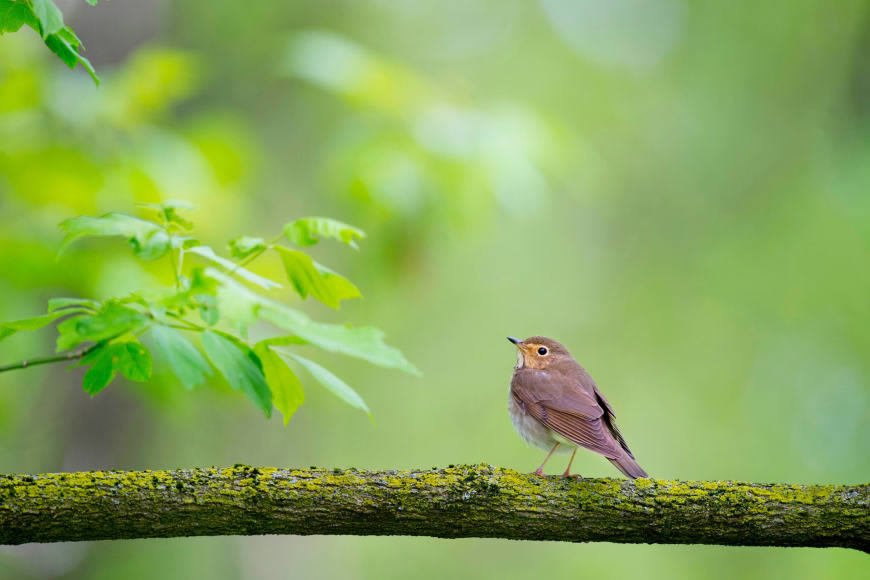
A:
(459, 501)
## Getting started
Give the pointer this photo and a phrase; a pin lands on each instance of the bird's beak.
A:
(516, 341)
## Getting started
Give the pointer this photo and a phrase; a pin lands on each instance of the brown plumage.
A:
(554, 402)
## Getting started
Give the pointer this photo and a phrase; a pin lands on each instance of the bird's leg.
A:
(540, 470)
(568, 470)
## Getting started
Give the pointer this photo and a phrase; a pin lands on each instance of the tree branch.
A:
(457, 502)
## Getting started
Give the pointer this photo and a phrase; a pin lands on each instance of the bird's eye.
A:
(542, 351)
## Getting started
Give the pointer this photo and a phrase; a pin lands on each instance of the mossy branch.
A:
(457, 502)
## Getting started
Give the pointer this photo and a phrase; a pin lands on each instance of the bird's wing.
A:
(571, 410)
(610, 420)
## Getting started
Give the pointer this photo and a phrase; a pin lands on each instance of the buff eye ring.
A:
(542, 351)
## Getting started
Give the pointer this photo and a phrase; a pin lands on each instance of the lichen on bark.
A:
(458, 501)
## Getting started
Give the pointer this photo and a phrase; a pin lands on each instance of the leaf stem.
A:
(167, 226)
(174, 269)
(67, 356)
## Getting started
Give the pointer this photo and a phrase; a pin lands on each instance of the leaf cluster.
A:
(213, 300)
(46, 19)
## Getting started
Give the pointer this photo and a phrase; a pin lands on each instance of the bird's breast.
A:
(531, 430)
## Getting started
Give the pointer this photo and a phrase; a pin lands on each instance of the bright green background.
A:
(678, 192)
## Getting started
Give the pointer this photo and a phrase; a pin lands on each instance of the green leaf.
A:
(148, 240)
(309, 277)
(202, 283)
(111, 321)
(235, 302)
(233, 305)
(45, 18)
(240, 366)
(287, 393)
(168, 211)
(244, 246)
(184, 359)
(67, 333)
(283, 340)
(15, 14)
(102, 371)
(152, 245)
(233, 268)
(332, 383)
(169, 204)
(178, 204)
(208, 309)
(65, 44)
(7, 329)
(184, 242)
(58, 303)
(173, 217)
(366, 343)
(49, 16)
(133, 360)
(306, 231)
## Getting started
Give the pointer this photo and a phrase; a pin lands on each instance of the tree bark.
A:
(457, 502)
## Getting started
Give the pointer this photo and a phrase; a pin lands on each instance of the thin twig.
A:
(67, 356)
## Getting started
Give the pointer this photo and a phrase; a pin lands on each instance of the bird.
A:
(554, 403)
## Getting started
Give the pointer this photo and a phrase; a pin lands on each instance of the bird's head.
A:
(539, 352)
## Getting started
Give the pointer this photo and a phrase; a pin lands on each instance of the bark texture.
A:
(456, 502)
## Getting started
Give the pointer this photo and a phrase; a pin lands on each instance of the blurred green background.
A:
(677, 191)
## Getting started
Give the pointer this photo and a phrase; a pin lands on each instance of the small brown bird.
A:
(555, 403)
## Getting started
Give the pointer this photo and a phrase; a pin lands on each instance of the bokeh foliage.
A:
(692, 223)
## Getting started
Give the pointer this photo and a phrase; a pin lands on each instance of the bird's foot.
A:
(568, 474)
(538, 471)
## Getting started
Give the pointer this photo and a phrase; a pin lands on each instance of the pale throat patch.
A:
(520, 359)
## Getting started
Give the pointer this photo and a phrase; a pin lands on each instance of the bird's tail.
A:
(628, 466)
